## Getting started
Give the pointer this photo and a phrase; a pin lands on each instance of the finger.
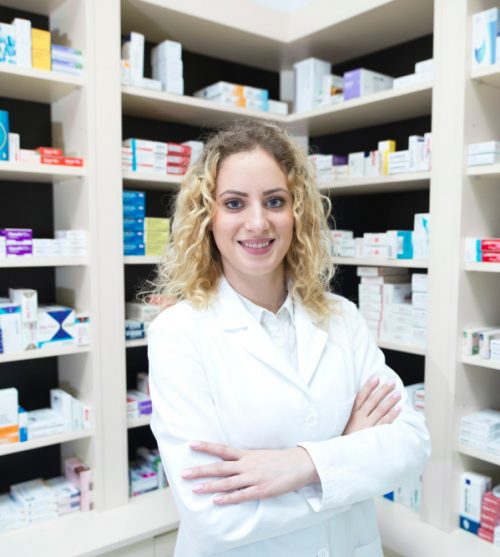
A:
(213, 470)
(365, 392)
(377, 397)
(217, 449)
(390, 416)
(232, 483)
(385, 406)
(251, 493)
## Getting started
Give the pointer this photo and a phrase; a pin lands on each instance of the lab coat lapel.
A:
(244, 329)
(311, 341)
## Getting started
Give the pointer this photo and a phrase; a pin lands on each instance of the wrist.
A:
(309, 473)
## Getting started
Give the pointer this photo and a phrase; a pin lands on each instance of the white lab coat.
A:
(216, 376)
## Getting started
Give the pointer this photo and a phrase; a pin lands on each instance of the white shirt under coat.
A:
(216, 375)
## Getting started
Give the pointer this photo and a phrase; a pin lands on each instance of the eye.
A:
(275, 202)
(233, 204)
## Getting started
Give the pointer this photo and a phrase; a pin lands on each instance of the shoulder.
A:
(341, 307)
(179, 318)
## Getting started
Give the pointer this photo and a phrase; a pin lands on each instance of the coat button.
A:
(323, 552)
(311, 420)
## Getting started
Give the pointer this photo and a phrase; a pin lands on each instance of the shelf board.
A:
(258, 36)
(412, 532)
(43, 353)
(186, 110)
(45, 442)
(141, 259)
(143, 421)
(481, 455)
(419, 350)
(379, 108)
(34, 85)
(22, 172)
(489, 75)
(15, 262)
(486, 170)
(152, 181)
(136, 342)
(379, 184)
(96, 532)
(481, 362)
(483, 267)
(44, 7)
(374, 262)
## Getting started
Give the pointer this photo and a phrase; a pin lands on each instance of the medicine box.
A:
(10, 327)
(400, 244)
(360, 82)
(308, 82)
(485, 30)
(28, 300)
(472, 488)
(9, 428)
(483, 158)
(4, 135)
(484, 147)
(56, 325)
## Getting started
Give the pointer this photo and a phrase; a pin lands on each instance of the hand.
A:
(251, 475)
(373, 407)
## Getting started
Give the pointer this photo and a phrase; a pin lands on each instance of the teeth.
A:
(256, 245)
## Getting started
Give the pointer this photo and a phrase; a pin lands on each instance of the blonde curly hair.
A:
(191, 267)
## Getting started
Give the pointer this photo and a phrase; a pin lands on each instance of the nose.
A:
(257, 220)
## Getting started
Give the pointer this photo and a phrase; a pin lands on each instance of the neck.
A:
(268, 292)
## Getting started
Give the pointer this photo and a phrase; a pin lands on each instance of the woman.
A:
(271, 428)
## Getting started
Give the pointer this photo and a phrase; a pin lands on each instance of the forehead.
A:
(250, 170)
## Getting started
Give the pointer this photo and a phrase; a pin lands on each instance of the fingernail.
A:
(195, 444)
(187, 473)
(218, 499)
(374, 381)
(396, 396)
(391, 384)
(397, 409)
(197, 488)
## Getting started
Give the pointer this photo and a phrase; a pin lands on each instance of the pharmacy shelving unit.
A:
(462, 202)
(379, 184)
(380, 262)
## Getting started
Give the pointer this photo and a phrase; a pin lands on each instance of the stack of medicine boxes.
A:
(67, 60)
(166, 64)
(481, 430)
(234, 94)
(134, 210)
(487, 152)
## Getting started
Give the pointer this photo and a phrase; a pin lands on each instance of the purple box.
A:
(360, 82)
(145, 407)
(339, 160)
(18, 251)
(17, 234)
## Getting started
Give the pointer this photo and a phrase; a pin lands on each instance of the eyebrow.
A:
(243, 194)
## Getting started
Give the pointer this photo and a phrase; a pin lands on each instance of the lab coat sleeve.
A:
(376, 460)
(183, 411)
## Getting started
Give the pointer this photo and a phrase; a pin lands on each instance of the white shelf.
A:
(412, 537)
(44, 7)
(481, 455)
(186, 110)
(481, 362)
(258, 36)
(136, 342)
(141, 259)
(379, 262)
(45, 442)
(397, 182)
(34, 85)
(152, 181)
(88, 534)
(43, 353)
(419, 350)
(489, 75)
(487, 170)
(363, 112)
(142, 421)
(483, 267)
(22, 172)
(17, 262)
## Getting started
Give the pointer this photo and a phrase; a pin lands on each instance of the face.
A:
(253, 220)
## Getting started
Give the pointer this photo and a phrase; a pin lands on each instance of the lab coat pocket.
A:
(372, 549)
(342, 414)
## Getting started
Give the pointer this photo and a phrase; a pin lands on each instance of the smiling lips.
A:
(257, 247)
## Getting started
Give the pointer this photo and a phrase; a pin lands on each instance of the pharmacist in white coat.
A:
(276, 417)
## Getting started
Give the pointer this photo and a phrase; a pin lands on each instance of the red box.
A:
(490, 257)
(52, 159)
(486, 534)
(72, 161)
(177, 149)
(178, 160)
(50, 151)
(179, 170)
(490, 244)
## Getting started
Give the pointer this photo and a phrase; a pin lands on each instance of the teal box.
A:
(405, 244)
(4, 135)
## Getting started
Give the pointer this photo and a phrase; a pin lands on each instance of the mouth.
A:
(257, 247)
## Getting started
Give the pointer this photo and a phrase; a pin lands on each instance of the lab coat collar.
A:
(311, 339)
